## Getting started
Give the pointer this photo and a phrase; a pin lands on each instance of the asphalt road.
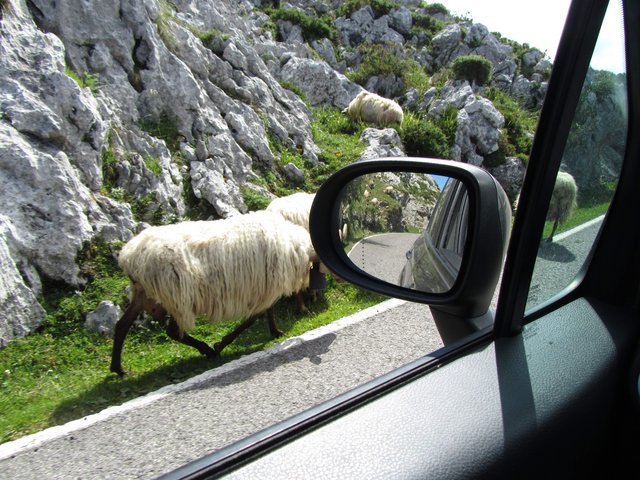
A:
(157, 433)
(559, 262)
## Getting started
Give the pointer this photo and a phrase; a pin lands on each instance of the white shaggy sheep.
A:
(372, 108)
(296, 208)
(563, 201)
(228, 269)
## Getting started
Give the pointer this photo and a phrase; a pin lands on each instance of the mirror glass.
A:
(407, 229)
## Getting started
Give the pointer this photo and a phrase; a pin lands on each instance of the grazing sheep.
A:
(228, 269)
(563, 201)
(295, 208)
(372, 108)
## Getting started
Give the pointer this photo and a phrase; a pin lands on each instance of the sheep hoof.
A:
(277, 333)
(121, 373)
(217, 348)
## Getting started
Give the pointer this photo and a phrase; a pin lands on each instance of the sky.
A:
(539, 23)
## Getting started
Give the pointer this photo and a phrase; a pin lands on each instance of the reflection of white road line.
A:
(579, 228)
(364, 240)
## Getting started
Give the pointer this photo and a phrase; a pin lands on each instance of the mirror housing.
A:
(489, 226)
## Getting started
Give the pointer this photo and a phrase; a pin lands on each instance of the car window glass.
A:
(589, 170)
(255, 117)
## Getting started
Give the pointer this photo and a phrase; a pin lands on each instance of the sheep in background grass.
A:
(563, 201)
(372, 108)
(295, 208)
(235, 268)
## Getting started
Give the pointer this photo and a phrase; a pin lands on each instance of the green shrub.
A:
(313, 28)
(448, 123)
(384, 60)
(603, 85)
(519, 123)
(474, 68)
(163, 128)
(295, 89)
(153, 165)
(253, 200)
(163, 22)
(499, 157)
(435, 8)
(422, 137)
(206, 37)
(86, 80)
(425, 23)
(379, 7)
(109, 161)
(377, 60)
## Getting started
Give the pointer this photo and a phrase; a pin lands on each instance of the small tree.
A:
(474, 68)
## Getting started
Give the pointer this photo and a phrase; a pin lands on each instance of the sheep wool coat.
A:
(295, 207)
(372, 108)
(224, 269)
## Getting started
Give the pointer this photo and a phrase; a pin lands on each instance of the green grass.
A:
(163, 128)
(579, 216)
(338, 138)
(85, 80)
(62, 373)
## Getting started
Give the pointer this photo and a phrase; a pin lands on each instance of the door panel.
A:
(486, 415)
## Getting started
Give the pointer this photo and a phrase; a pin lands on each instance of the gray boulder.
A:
(510, 175)
(380, 143)
(104, 318)
(320, 83)
(20, 312)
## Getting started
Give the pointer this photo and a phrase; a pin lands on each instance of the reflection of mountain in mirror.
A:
(388, 217)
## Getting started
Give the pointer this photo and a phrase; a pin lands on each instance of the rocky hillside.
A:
(118, 113)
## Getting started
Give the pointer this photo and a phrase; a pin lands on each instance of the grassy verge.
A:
(62, 373)
(580, 215)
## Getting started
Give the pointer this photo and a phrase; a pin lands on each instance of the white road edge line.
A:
(579, 228)
(15, 447)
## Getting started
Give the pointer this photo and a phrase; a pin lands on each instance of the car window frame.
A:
(573, 59)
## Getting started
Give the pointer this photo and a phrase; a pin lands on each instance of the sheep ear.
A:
(345, 110)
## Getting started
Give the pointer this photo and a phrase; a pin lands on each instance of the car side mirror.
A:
(423, 230)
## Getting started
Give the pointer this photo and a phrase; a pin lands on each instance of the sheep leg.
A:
(122, 328)
(227, 339)
(273, 328)
(174, 332)
(302, 308)
(553, 231)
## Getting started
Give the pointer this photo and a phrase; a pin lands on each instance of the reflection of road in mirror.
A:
(383, 256)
